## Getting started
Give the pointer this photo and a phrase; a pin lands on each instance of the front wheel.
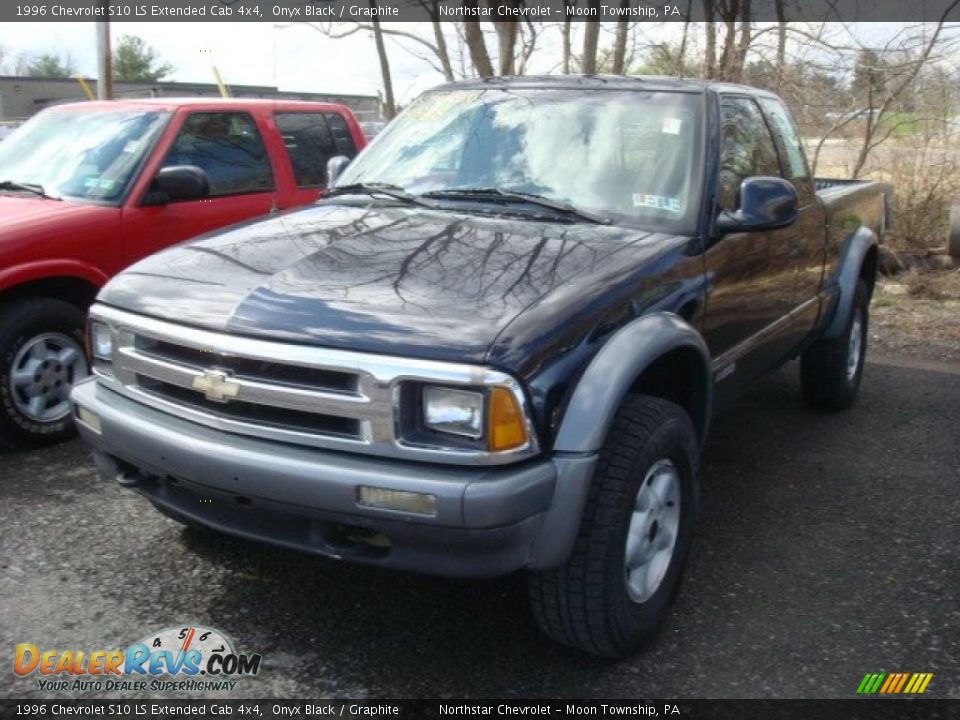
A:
(635, 534)
(41, 357)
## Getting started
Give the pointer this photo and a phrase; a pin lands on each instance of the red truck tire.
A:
(41, 356)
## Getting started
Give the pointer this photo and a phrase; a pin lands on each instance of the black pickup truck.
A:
(497, 345)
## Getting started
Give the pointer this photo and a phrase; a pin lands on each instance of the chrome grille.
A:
(309, 378)
(280, 391)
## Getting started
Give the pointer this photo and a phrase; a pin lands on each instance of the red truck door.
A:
(229, 147)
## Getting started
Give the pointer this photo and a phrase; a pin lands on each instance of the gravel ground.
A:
(918, 314)
(828, 546)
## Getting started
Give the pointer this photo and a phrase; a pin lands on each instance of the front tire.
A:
(831, 370)
(614, 591)
(41, 357)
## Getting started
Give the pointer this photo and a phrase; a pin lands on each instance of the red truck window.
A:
(309, 144)
(341, 134)
(228, 147)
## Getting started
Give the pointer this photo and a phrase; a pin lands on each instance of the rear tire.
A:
(614, 591)
(831, 370)
(41, 356)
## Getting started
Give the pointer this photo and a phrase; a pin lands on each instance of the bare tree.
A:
(781, 41)
(529, 35)
(900, 77)
(389, 106)
(567, 23)
(473, 35)
(620, 43)
(441, 43)
(506, 37)
(710, 41)
(591, 35)
(682, 52)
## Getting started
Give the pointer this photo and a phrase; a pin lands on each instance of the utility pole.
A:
(104, 59)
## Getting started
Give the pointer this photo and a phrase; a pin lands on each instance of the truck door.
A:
(751, 276)
(808, 242)
(228, 146)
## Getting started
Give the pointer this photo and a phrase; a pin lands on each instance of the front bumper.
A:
(489, 521)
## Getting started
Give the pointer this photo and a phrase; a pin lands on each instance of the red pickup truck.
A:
(89, 188)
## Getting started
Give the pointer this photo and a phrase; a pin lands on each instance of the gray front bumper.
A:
(489, 521)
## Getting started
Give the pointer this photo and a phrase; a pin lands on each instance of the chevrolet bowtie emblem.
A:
(216, 385)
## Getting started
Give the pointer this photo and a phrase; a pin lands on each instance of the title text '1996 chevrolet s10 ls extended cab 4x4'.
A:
(88, 188)
(497, 345)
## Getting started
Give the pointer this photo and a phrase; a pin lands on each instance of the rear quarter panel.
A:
(849, 209)
(857, 215)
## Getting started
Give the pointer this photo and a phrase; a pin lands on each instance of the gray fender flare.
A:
(623, 358)
(852, 255)
(591, 411)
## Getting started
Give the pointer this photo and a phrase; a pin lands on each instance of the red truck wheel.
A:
(41, 357)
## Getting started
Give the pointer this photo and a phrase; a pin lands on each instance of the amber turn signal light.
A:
(505, 426)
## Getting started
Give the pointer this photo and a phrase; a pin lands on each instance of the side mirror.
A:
(178, 183)
(335, 167)
(766, 203)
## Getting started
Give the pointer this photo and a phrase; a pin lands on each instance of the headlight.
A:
(491, 419)
(458, 412)
(101, 341)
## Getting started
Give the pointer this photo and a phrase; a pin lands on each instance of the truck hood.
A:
(398, 280)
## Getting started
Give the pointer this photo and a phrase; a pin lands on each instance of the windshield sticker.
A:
(658, 202)
(671, 126)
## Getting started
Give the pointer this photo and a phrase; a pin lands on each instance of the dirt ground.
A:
(917, 314)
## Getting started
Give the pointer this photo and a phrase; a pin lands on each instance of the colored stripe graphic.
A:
(900, 682)
(894, 683)
(891, 680)
(870, 683)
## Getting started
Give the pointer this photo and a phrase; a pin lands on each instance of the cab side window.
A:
(787, 138)
(309, 144)
(228, 147)
(341, 135)
(747, 149)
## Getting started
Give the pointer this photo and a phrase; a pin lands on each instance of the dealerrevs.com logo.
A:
(185, 658)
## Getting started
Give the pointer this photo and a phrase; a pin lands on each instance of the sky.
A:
(293, 57)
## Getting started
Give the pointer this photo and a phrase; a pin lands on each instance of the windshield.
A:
(632, 155)
(76, 154)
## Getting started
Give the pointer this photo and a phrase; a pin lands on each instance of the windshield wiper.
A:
(27, 187)
(497, 194)
(393, 191)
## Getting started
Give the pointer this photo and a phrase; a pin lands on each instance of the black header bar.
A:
(863, 709)
(278, 11)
